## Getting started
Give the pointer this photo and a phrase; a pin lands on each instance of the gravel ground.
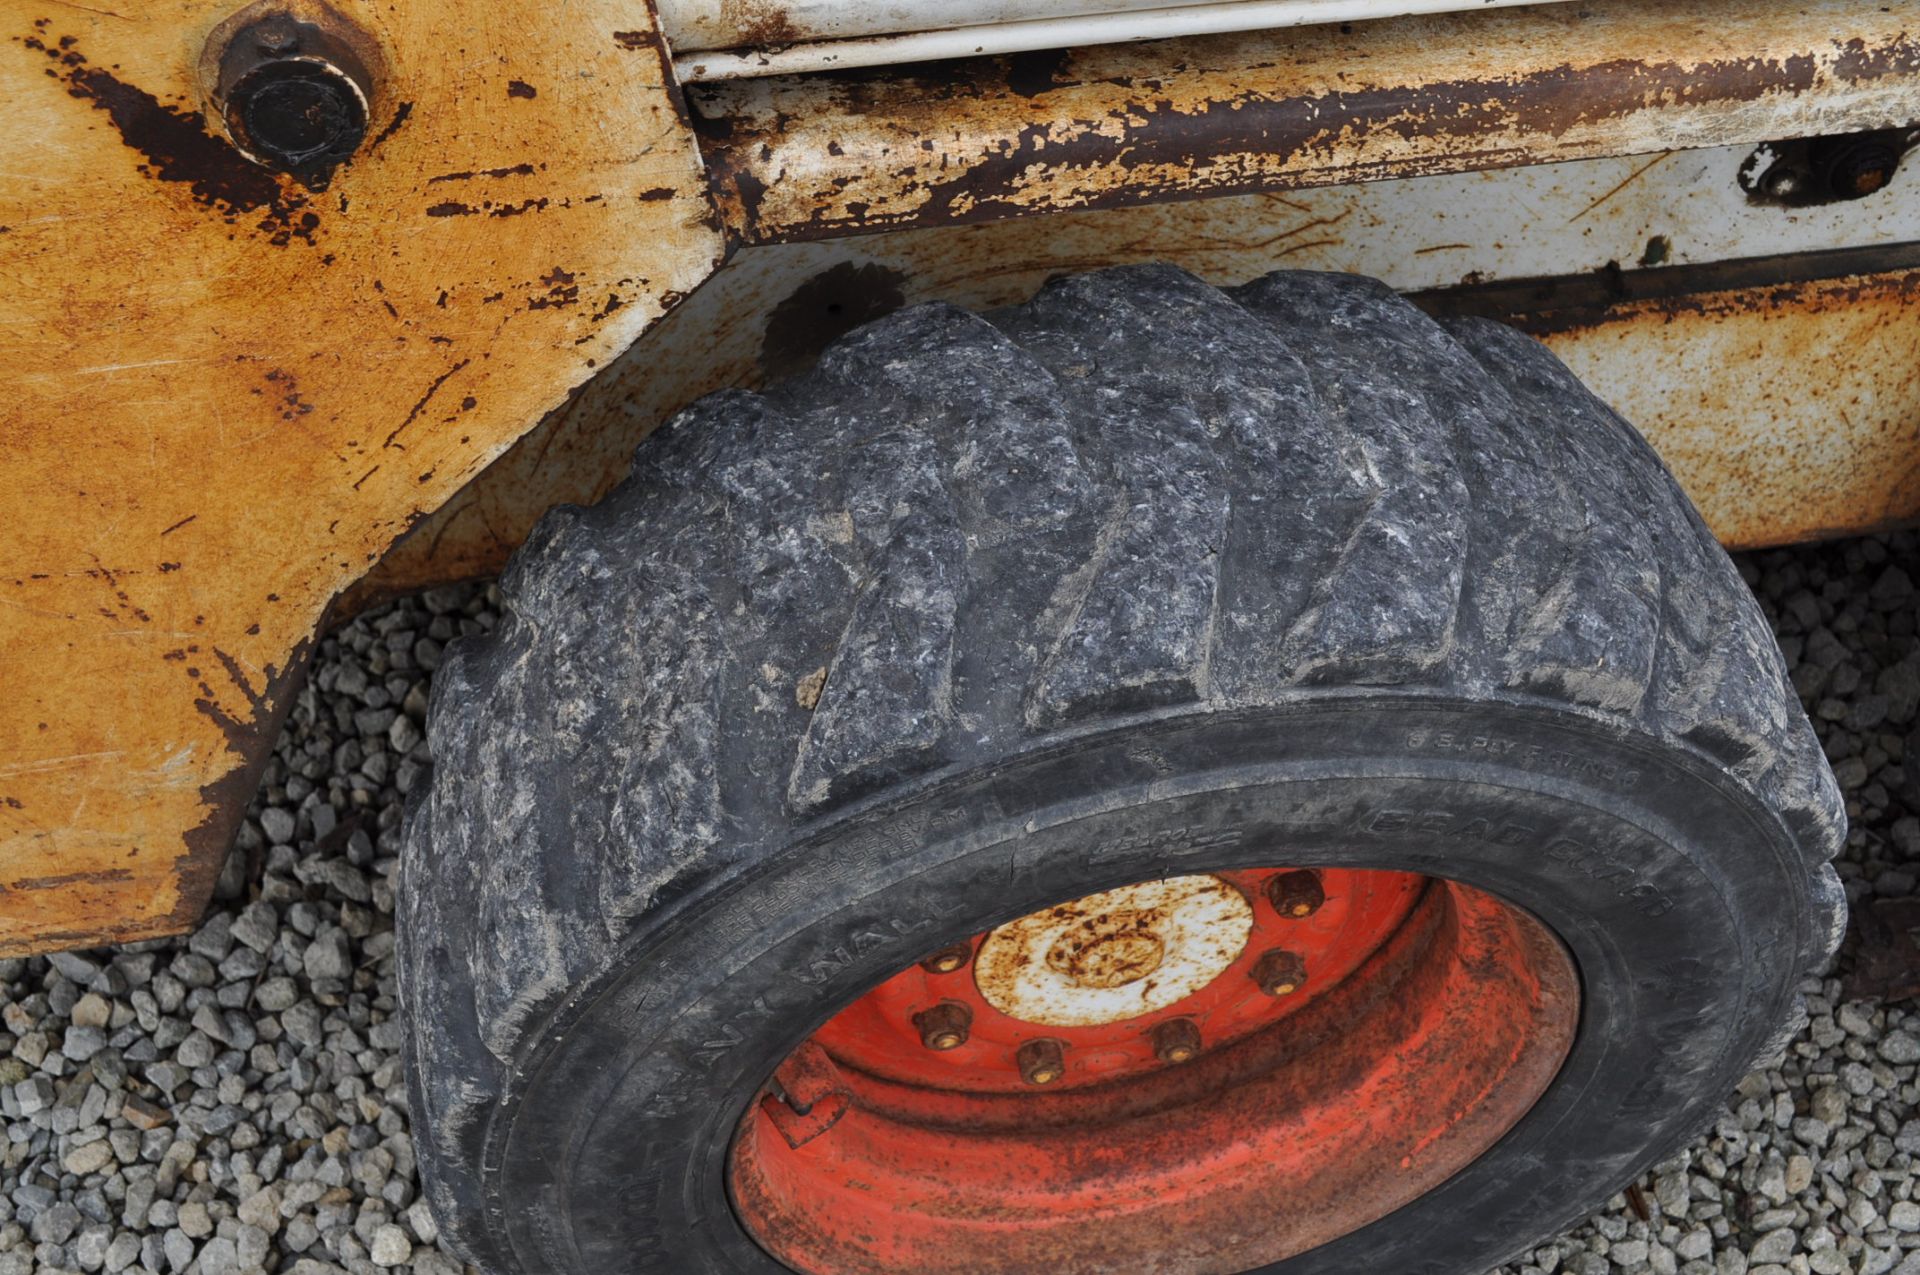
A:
(234, 1102)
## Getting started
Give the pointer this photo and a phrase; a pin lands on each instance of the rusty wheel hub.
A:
(1197, 1074)
(1115, 955)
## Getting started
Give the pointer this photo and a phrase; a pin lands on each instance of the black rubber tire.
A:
(1139, 577)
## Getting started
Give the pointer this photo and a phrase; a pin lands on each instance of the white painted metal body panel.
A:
(729, 24)
(1675, 208)
(737, 39)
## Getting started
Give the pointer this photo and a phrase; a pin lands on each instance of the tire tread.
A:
(1135, 493)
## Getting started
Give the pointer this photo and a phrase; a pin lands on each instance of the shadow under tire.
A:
(1140, 580)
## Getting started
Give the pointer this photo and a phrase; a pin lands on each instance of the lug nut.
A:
(1296, 894)
(948, 959)
(944, 1026)
(1176, 1041)
(1041, 1062)
(1280, 973)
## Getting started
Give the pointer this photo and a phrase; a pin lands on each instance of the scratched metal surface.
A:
(228, 394)
(828, 155)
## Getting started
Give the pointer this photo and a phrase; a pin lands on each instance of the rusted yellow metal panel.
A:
(808, 157)
(228, 394)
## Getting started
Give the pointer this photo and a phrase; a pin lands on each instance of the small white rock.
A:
(391, 1247)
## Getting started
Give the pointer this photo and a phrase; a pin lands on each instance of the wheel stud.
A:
(944, 1026)
(1296, 894)
(1280, 973)
(1041, 1062)
(1176, 1041)
(948, 959)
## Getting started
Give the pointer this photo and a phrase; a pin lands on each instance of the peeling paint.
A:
(983, 139)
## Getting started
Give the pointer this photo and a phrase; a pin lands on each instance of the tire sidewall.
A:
(1680, 898)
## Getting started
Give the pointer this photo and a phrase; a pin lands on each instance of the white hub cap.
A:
(1114, 955)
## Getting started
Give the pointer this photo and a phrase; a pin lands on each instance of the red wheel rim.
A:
(1203, 1075)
